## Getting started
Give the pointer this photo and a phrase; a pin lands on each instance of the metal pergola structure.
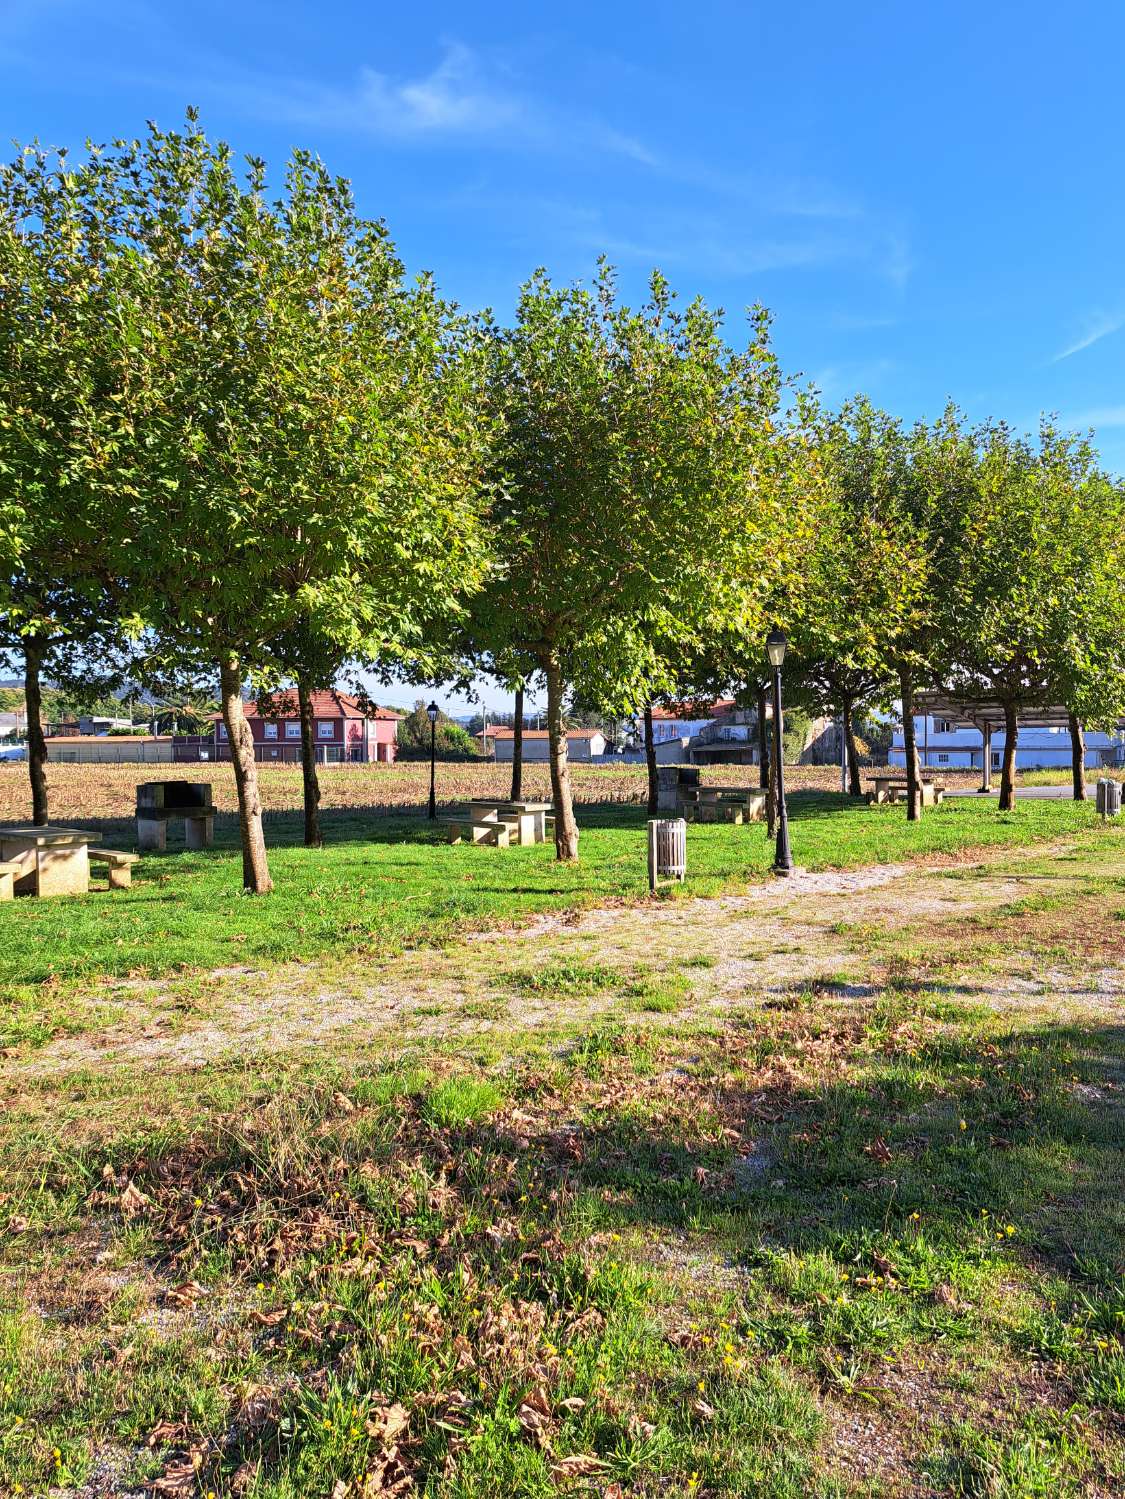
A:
(986, 714)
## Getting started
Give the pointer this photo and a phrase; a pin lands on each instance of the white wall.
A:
(1035, 747)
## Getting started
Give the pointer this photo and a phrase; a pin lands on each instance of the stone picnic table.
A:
(887, 789)
(722, 803)
(46, 861)
(501, 821)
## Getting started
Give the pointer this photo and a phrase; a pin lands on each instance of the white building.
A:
(582, 745)
(943, 745)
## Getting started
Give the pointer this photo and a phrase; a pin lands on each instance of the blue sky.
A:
(926, 196)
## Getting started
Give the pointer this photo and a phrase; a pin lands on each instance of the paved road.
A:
(1031, 792)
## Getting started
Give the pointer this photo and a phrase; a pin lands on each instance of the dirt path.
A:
(693, 959)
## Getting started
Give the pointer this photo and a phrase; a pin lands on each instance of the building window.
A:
(222, 731)
(943, 759)
(325, 730)
(996, 759)
(271, 731)
(293, 730)
(942, 726)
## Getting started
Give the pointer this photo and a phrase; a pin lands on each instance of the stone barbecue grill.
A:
(161, 802)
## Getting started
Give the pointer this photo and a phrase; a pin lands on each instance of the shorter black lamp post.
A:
(775, 650)
(433, 711)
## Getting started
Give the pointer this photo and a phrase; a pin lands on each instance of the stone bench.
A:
(721, 804)
(886, 790)
(120, 866)
(496, 831)
(9, 872)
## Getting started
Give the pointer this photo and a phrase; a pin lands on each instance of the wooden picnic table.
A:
(529, 816)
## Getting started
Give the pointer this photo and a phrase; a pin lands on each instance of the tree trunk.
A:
(1008, 773)
(517, 746)
(910, 744)
(855, 784)
(311, 784)
(763, 742)
(650, 761)
(566, 829)
(1077, 758)
(36, 743)
(255, 869)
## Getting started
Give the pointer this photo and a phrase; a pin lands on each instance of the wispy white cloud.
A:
(456, 97)
(1100, 326)
(716, 240)
(862, 322)
(898, 261)
(837, 381)
(468, 96)
(1099, 416)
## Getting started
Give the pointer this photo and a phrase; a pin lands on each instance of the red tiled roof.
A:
(693, 710)
(325, 704)
(505, 733)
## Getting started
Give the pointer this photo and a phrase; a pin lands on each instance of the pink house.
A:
(343, 729)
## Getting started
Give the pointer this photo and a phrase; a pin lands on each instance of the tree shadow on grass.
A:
(1027, 1130)
(782, 1180)
(377, 825)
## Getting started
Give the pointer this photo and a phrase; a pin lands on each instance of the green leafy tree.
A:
(303, 445)
(58, 419)
(634, 509)
(1036, 614)
(932, 475)
(866, 573)
(452, 741)
(1084, 635)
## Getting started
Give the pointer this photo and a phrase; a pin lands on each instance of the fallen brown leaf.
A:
(534, 1416)
(132, 1201)
(580, 1465)
(185, 1294)
(168, 1434)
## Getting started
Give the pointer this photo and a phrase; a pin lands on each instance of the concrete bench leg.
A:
(199, 832)
(7, 885)
(152, 834)
(120, 876)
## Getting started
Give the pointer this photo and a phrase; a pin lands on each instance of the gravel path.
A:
(735, 950)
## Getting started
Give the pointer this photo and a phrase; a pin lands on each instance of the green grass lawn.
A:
(381, 884)
(622, 1262)
(839, 1241)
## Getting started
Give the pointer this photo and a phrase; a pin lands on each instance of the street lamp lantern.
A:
(433, 710)
(775, 646)
(775, 650)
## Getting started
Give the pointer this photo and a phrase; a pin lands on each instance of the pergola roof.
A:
(977, 712)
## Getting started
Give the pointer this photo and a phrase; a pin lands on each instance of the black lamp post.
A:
(775, 650)
(433, 711)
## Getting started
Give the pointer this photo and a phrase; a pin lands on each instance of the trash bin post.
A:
(667, 850)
